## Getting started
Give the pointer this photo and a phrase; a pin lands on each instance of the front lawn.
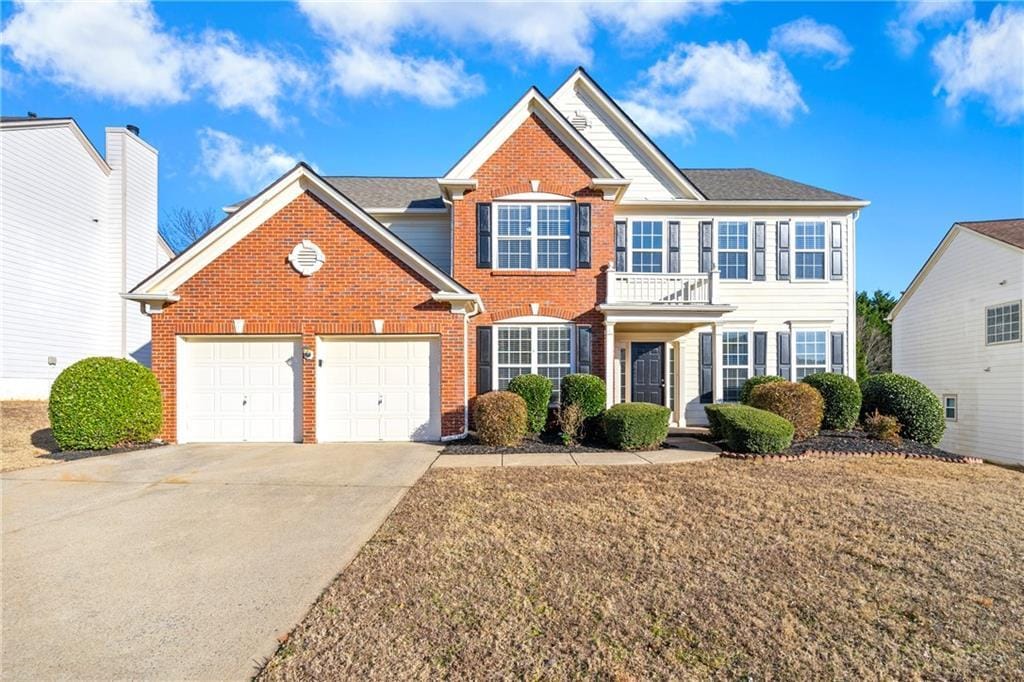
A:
(813, 569)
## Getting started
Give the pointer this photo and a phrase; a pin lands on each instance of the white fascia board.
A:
(708, 204)
(153, 297)
(455, 188)
(395, 210)
(60, 123)
(613, 188)
(653, 313)
(470, 304)
(136, 138)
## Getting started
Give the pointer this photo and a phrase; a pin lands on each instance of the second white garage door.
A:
(372, 389)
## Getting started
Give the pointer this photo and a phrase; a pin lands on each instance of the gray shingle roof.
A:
(1009, 230)
(376, 192)
(750, 184)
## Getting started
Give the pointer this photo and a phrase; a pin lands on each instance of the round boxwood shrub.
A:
(536, 391)
(753, 382)
(917, 409)
(98, 403)
(842, 399)
(750, 430)
(799, 404)
(585, 390)
(714, 423)
(636, 426)
(500, 418)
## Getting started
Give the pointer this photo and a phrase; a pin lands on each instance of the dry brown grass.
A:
(860, 569)
(25, 436)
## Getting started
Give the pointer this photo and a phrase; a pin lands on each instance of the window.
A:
(809, 241)
(733, 249)
(735, 364)
(1002, 323)
(648, 244)
(544, 349)
(521, 247)
(811, 353)
(949, 406)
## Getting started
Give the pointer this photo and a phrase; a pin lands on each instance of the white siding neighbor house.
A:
(76, 230)
(957, 329)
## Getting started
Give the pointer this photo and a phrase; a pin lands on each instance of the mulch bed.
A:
(855, 444)
(545, 443)
(74, 455)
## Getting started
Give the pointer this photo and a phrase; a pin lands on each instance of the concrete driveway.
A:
(183, 562)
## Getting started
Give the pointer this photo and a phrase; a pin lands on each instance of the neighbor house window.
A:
(809, 243)
(534, 236)
(811, 353)
(648, 245)
(735, 364)
(733, 249)
(542, 349)
(1002, 323)
(949, 405)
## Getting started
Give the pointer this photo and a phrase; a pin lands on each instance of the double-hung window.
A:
(648, 246)
(1002, 323)
(534, 236)
(809, 240)
(735, 364)
(811, 353)
(949, 407)
(733, 249)
(541, 349)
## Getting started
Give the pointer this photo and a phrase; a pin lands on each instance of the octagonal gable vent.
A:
(306, 258)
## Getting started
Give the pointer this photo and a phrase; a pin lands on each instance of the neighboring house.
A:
(76, 230)
(957, 329)
(341, 308)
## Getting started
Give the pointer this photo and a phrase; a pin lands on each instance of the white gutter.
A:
(709, 204)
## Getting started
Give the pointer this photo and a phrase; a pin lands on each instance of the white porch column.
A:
(713, 278)
(609, 363)
(716, 371)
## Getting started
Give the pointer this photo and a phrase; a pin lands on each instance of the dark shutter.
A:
(760, 354)
(620, 245)
(706, 235)
(837, 250)
(673, 247)
(782, 350)
(707, 358)
(584, 348)
(583, 236)
(759, 251)
(483, 235)
(837, 352)
(782, 245)
(483, 360)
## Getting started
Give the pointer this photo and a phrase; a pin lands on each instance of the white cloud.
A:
(361, 72)
(805, 36)
(246, 167)
(985, 61)
(719, 85)
(120, 51)
(905, 30)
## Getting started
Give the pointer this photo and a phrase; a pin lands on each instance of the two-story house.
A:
(565, 240)
(76, 229)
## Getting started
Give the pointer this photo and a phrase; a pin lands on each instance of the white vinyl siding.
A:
(429, 234)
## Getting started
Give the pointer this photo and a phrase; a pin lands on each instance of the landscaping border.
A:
(807, 454)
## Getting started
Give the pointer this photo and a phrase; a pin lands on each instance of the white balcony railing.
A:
(661, 287)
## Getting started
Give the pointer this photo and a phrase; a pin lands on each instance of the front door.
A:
(648, 373)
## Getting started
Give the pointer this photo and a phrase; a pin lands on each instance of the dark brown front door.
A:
(648, 373)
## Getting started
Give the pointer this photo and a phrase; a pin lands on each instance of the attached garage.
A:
(379, 389)
(233, 390)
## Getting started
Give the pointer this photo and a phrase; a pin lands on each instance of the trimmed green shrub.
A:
(750, 430)
(799, 404)
(917, 409)
(98, 403)
(714, 423)
(536, 391)
(636, 426)
(585, 390)
(570, 422)
(500, 418)
(842, 399)
(753, 382)
(882, 427)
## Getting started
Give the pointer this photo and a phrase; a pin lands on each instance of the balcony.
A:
(661, 288)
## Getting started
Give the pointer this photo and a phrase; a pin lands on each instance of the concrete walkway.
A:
(681, 449)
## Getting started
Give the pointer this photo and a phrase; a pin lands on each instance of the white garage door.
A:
(378, 389)
(238, 390)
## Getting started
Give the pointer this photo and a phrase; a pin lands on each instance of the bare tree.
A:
(182, 226)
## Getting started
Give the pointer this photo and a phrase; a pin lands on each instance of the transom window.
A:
(949, 407)
(534, 236)
(648, 245)
(542, 349)
(733, 249)
(1002, 323)
(811, 353)
(809, 243)
(735, 364)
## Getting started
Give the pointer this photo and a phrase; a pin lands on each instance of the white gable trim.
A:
(61, 123)
(581, 80)
(264, 206)
(533, 102)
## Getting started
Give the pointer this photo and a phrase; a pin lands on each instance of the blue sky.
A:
(915, 107)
